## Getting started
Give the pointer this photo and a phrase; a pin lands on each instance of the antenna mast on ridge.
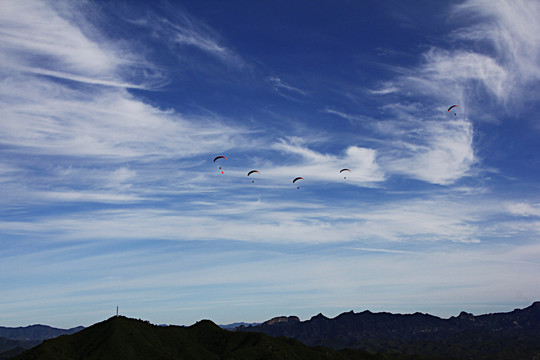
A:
(116, 310)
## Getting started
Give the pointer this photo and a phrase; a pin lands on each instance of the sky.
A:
(111, 113)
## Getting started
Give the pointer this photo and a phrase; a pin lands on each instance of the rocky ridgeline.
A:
(417, 333)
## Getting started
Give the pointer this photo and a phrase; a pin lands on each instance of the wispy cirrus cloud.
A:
(524, 209)
(352, 118)
(286, 90)
(26, 39)
(499, 53)
(190, 33)
(510, 28)
(48, 118)
(65, 104)
(108, 184)
(247, 215)
(384, 89)
(378, 233)
(313, 282)
(420, 144)
(443, 155)
(176, 29)
(325, 167)
(60, 49)
(426, 145)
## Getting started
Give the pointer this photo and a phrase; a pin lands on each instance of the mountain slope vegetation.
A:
(124, 338)
(512, 335)
(15, 340)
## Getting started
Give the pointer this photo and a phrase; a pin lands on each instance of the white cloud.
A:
(65, 46)
(384, 89)
(452, 72)
(446, 156)
(502, 63)
(24, 33)
(325, 167)
(257, 285)
(121, 177)
(264, 218)
(84, 196)
(512, 29)
(48, 118)
(287, 91)
(179, 30)
(501, 53)
(88, 142)
(352, 118)
(280, 84)
(524, 209)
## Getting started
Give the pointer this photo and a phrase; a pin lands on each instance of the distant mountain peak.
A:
(319, 316)
(124, 338)
(384, 330)
(282, 319)
(35, 332)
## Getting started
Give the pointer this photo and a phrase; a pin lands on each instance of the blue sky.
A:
(111, 113)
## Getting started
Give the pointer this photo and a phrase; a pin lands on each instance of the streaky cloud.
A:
(324, 167)
(179, 29)
(350, 117)
(524, 209)
(59, 48)
(286, 90)
(83, 79)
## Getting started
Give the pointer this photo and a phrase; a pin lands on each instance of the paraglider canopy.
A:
(220, 157)
(451, 107)
(342, 170)
(251, 172)
(296, 179)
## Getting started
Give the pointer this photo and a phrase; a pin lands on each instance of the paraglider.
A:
(251, 172)
(342, 170)
(220, 157)
(451, 107)
(296, 179)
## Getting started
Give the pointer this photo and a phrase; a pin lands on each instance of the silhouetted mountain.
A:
(123, 338)
(14, 341)
(10, 347)
(12, 352)
(237, 324)
(35, 332)
(513, 335)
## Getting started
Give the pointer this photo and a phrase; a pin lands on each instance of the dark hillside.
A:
(120, 338)
(8, 344)
(123, 338)
(512, 335)
(35, 332)
(9, 347)
(15, 340)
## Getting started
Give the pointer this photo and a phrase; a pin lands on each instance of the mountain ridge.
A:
(350, 335)
(14, 340)
(124, 338)
(35, 332)
(419, 333)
